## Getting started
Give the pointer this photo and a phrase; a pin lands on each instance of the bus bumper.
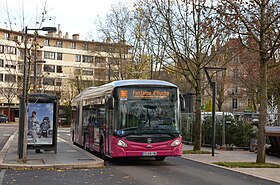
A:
(146, 150)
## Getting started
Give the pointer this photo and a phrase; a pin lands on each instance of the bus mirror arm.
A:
(110, 103)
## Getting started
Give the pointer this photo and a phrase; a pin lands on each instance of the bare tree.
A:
(114, 32)
(258, 21)
(186, 32)
(127, 31)
(26, 44)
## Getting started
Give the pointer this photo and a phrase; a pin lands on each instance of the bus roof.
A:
(108, 88)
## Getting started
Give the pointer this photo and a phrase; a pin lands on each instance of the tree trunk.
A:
(278, 112)
(197, 129)
(9, 113)
(263, 111)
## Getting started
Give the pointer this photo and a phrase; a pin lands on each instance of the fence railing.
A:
(235, 132)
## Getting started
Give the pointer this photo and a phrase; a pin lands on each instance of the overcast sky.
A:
(73, 16)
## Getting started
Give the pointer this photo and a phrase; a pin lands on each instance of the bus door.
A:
(109, 126)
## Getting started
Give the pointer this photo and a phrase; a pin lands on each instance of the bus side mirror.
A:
(182, 103)
(110, 102)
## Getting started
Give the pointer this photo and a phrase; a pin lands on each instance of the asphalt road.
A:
(6, 130)
(172, 171)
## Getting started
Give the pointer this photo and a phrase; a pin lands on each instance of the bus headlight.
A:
(121, 143)
(176, 143)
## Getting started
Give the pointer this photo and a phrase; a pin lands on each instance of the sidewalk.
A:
(68, 156)
(272, 174)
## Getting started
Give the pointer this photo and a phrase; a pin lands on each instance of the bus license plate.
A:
(149, 153)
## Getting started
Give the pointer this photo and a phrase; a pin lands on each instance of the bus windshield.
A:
(148, 111)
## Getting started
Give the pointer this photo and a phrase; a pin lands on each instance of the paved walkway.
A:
(272, 174)
(68, 156)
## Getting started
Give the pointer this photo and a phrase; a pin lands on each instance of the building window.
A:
(7, 36)
(49, 55)
(1, 63)
(59, 69)
(78, 58)
(58, 82)
(1, 49)
(59, 44)
(58, 56)
(10, 64)
(86, 46)
(11, 50)
(100, 61)
(87, 72)
(87, 59)
(49, 68)
(10, 78)
(73, 45)
(48, 81)
(1, 77)
(234, 103)
(46, 42)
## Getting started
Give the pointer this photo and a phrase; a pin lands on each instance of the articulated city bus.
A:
(129, 118)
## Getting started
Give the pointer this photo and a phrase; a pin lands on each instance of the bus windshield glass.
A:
(147, 111)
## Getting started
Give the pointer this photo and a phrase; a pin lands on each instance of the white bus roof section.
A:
(108, 88)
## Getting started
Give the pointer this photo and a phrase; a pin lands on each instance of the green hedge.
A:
(238, 134)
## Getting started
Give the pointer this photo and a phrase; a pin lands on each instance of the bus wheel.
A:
(102, 150)
(160, 158)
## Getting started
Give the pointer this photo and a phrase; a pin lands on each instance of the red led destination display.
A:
(145, 94)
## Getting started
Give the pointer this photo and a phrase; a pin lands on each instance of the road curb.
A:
(6, 147)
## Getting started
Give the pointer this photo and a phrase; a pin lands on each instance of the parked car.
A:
(3, 118)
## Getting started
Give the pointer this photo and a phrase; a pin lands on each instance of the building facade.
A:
(56, 64)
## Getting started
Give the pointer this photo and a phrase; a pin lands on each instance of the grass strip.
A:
(247, 165)
(196, 152)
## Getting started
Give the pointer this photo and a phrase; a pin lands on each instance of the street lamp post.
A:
(213, 85)
(22, 142)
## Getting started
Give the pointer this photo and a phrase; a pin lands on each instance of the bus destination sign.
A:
(143, 93)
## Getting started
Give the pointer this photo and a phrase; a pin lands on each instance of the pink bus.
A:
(129, 118)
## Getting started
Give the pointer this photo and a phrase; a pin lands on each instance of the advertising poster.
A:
(40, 123)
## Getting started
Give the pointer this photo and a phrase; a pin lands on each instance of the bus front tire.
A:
(160, 158)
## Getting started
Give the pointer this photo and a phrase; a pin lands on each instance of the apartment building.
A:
(64, 65)
(234, 94)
